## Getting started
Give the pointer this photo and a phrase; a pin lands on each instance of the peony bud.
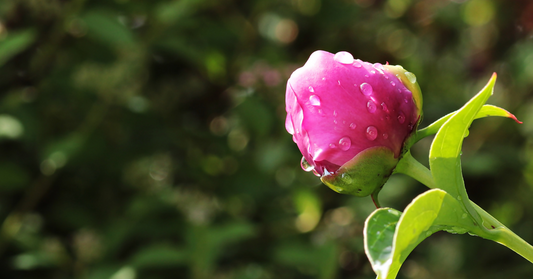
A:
(351, 119)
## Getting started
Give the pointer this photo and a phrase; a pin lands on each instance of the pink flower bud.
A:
(350, 119)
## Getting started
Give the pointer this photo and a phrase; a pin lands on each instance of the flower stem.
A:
(491, 228)
(499, 233)
(408, 165)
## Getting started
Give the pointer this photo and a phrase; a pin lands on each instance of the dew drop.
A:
(334, 113)
(379, 68)
(357, 64)
(384, 107)
(464, 216)
(305, 165)
(324, 78)
(343, 57)
(366, 89)
(314, 100)
(339, 82)
(385, 136)
(345, 143)
(371, 106)
(428, 233)
(311, 89)
(353, 126)
(346, 178)
(459, 198)
(392, 83)
(372, 72)
(401, 118)
(320, 112)
(411, 77)
(334, 121)
(467, 133)
(332, 145)
(371, 133)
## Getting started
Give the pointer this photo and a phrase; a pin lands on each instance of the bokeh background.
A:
(146, 139)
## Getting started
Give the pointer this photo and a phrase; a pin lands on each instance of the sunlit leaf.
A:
(390, 236)
(444, 156)
(485, 111)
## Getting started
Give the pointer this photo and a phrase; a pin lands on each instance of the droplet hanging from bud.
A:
(305, 165)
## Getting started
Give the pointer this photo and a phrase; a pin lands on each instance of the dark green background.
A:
(146, 139)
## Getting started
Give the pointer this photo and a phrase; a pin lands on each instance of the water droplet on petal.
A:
(411, 77)
(371, 133)
(384, 107)
(339, 82)
(332, 145)
(357, 63)
(345, 143)
(371, 106)
(372, 72)
(314, 100)
(379, 68)
(311, 89)
(392, 83)
(366, 89)
(305, 165)
(385, 136)
(353, 126)
(320, 112)
(324, 78)
(334, 113)
(401, 118)
(343, 57)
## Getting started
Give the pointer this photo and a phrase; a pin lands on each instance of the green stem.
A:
(408, 165)
(499, 233)
(491, 228)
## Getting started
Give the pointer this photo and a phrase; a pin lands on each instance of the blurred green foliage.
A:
(145, 139)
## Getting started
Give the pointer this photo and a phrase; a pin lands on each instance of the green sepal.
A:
(363, 174)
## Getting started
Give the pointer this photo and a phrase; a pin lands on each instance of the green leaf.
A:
(486, 110)
(391, 236)
(15, 43)
(321, 259)
(444, 155)
(104, 27)
(158, 256)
